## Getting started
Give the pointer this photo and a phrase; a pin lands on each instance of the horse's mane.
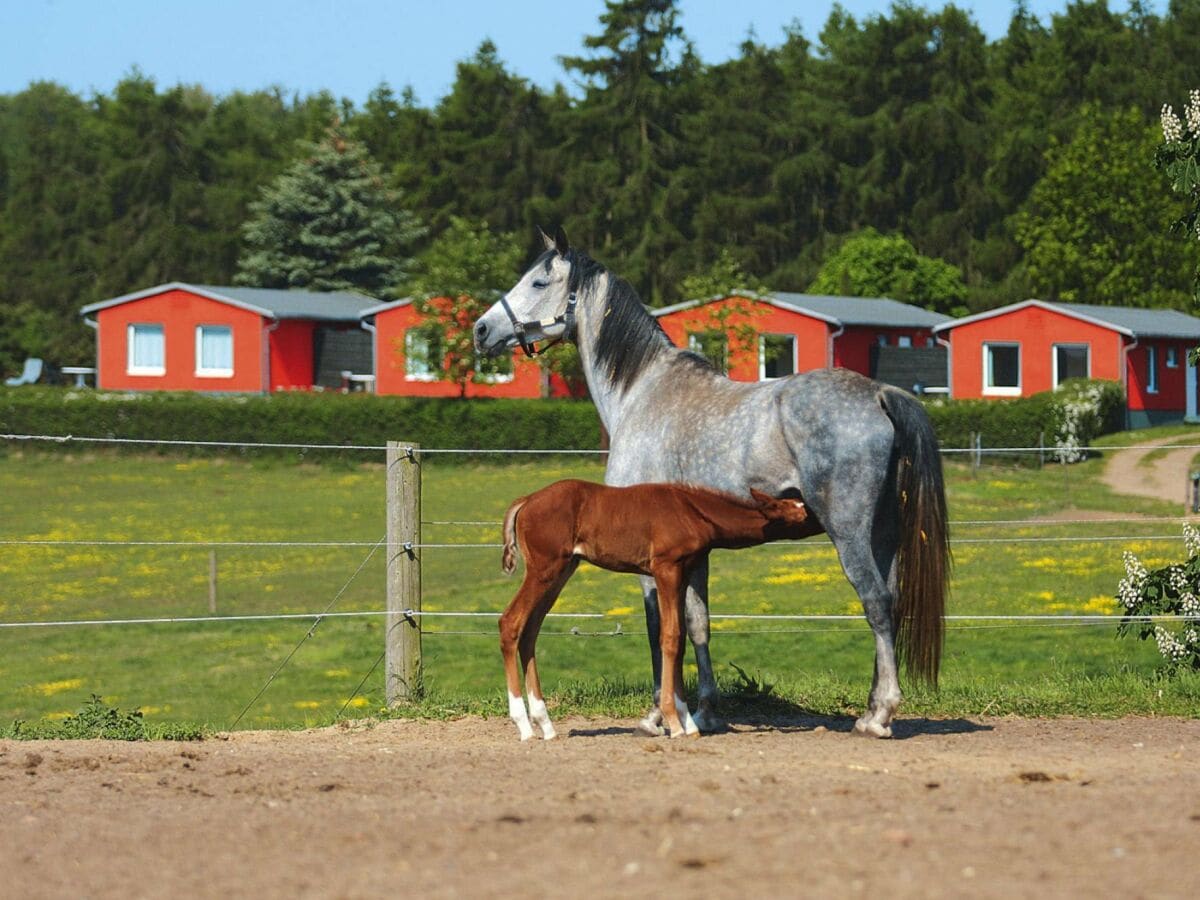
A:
(630, 337)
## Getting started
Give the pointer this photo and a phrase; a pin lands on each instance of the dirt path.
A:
(1165, 478)
(987, 808)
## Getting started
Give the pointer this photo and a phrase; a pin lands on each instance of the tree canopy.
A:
(993, 157)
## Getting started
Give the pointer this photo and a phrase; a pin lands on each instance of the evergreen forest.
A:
(1017, 167)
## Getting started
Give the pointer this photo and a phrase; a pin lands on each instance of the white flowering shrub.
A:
(1080, 414)
(1173, 590)
(1179, 157)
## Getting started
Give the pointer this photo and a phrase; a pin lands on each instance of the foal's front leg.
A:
(670, 583)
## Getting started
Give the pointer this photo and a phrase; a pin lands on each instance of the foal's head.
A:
(786, 516)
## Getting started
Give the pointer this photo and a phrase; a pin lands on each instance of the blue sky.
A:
(349, 47)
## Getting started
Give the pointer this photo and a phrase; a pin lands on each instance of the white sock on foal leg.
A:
(516, 712)
(689, 724)
(539, 714)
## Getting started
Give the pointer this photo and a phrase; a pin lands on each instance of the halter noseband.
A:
(567, 320)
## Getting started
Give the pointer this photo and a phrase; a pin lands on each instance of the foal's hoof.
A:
(864, 728)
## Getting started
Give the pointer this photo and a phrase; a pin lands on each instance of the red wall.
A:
(1172, 382)
(851, 349)
(291, 342)
(390, 326)
(179, 312)
(1037, 329)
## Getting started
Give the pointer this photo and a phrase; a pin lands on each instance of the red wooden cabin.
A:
(879, 337)
(405, 361)
(1033, 346)
(191, 337)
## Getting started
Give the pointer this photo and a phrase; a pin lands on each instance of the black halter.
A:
(567, 320)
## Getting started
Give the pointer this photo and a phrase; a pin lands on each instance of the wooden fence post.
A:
(402, 670)
(212, 582)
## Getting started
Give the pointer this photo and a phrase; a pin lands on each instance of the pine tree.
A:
(329, 223)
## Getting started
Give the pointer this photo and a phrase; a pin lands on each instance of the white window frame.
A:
(496, 377)
(695, 344)
(411, 336)
(1000, 390)
(904, 340)
(1054, 348)
(1172, 357)
(131, 366)
(762, 355)
(201, 370)
(1151, 369)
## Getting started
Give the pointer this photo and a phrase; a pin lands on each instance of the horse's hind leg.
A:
(878, 598)
(670, 583)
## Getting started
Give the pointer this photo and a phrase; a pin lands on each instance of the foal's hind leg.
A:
(519, 627)
(552, 587)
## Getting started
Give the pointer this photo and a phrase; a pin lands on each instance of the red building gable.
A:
(1028, 347)
(185, 337)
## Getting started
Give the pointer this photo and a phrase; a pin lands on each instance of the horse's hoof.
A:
(649, 727)
(871, 729)
(708, 721)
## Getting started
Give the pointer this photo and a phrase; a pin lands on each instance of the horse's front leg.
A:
(651, 724)
(696, 614)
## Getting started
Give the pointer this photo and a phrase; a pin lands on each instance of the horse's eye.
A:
(540, 283)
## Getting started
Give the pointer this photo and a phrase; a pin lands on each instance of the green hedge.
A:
(365, 419)
(301, 418)
(1026, 421)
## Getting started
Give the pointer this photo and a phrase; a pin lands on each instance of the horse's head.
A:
(540, 307)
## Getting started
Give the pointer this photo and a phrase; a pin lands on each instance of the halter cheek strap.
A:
(521, 329)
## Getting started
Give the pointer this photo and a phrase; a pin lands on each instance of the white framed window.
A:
(1002, 369)
(776, 356)
(1151, 369)
(422, 354)
(903, 340)
(713, 346)
(1172, 357)
(1071, 361)
(214, 351)
(146, 353)
(495, 369)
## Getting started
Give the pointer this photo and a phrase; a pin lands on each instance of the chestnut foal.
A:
(662, 530)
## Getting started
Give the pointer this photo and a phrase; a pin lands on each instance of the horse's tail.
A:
(508, 559)
(923, 563)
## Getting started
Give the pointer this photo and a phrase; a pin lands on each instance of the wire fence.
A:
(1078, 531)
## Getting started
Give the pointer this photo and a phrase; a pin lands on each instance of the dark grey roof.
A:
(327, 306)
(1128, 320)
(882, 311)
(1169, 323)
(338, 306)
(876, 311)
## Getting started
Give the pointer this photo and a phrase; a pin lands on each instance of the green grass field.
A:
(205, 673)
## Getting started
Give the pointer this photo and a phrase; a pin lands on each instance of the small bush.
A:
(96, 719)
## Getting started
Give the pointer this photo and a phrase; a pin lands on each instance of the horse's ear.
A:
(760, 498)
(560, 241)
(546, 239)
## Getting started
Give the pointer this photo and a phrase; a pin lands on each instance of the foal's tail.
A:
(923, 564)
(508, 559)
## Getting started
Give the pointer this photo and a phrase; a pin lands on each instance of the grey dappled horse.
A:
(861, 454)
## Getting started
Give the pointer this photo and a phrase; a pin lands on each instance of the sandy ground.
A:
(986, 808)
(1165, 478)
